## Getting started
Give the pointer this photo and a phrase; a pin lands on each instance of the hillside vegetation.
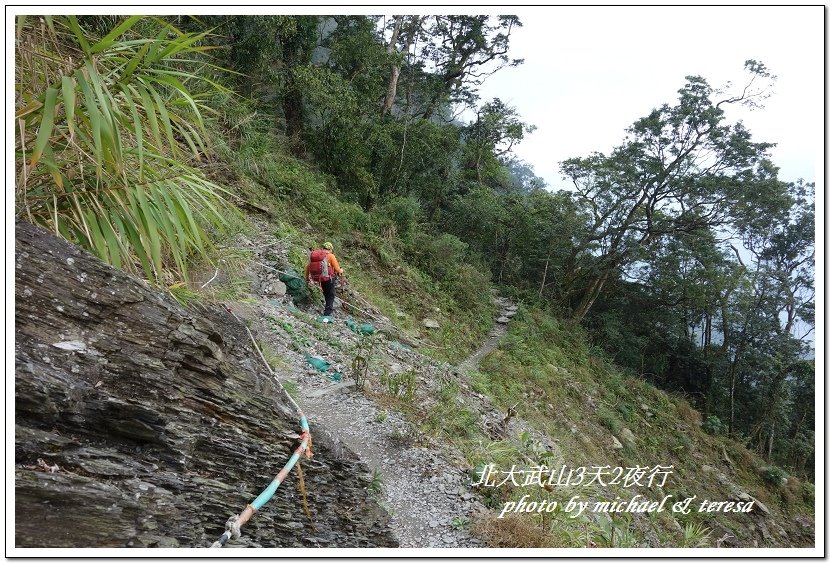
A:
(641, 339)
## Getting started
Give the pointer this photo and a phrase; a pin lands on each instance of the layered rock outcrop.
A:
(141, 423)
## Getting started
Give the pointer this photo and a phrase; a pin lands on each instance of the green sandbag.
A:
(318, 363)
(295, 285)
(365, 328)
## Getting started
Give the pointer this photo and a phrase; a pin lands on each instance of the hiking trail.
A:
(416, 477)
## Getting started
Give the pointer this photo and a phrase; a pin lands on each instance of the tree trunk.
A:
(139, 423)
(392, 85)
(292, 107)
(544, 276)
(590, 296)
(733, 375)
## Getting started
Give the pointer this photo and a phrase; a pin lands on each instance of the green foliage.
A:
(808, 493)
(398, 217)
(609, 420)
(364, 352)
(183, 294)
(400, 385)
(375, 487)
(615, 530)
(712, 425)
(110, 130)
(291, 388)
(774, 476)
(460, 522)
(696, 534)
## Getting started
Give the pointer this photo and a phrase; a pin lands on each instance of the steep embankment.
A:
(531, 396)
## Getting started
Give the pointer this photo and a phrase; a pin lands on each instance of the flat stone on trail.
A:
(503, 320)
(331, 390)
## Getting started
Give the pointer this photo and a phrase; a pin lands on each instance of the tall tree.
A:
(459, 53)
(681, 168)
(405, 29)
(495, 131)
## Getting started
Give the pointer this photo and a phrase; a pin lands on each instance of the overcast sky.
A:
(590, 72)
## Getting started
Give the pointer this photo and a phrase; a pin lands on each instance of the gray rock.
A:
(277, 289)
(502, 320)
(627, 436)
(184, 430)
(746, 497)
(431, 323)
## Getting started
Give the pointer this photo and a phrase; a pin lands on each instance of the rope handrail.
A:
(233, 527)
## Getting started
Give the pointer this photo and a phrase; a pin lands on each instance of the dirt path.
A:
(506, 312)
(427, 496)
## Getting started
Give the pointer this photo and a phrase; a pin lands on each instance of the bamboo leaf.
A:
(110, 38)
(165, 119)
(34, 105)
(150, 112)
(21, 23)
(68, 89)
(113, 244)
(132, 235)
(135, 61)
(139, 129)
(184, 43)
(98, 243)
(152, 55)
(171, 81)
(94, 116)
(79, 34)
(52, 166)
(151, 227)
(47, 124)
(169, 221)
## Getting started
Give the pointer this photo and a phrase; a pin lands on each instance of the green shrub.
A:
(808, 493)
(712, 425)
(774, 476)
(401, 213)
(609, 420)
(440, 257)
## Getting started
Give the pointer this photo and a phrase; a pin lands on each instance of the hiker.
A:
(323, 268)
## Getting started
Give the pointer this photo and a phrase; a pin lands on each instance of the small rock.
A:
(503, 320)
(431, 323)
(71, 345)
(758, 504)
(277, 289)
(628, 436)
(616, 443)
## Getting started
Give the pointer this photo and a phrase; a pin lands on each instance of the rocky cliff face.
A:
(140, 423)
